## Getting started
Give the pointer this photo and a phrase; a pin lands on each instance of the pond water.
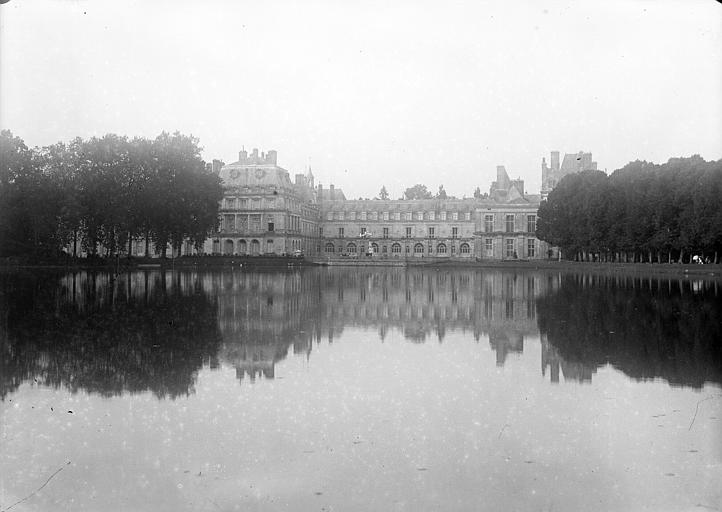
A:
(360, 389)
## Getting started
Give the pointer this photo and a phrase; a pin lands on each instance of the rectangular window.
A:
(397, 216)
(454, 232)
(408, 232)
(229, 222)
(467, 216)
(531, 223)
(352, 215)
(455, 216)
(531, 248)
(432, 215)
(363, 231)
(230, 202)
(419, 215)
(510, 252)
(386, 232)
(510, 223)
(255, 223)
(374, 216)
(442, 215)
(256, 204)
(431, 232)
(329, 216)
(270, 226)
(243, 203)
(340, 232)
(340, 215)
(386, 216)
(320, 232)
(489, 223)
(489, 246)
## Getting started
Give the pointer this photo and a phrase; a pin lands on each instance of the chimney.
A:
(555, 160)
(330, 192)
(254, 155)
(242, 156)
(271, 157)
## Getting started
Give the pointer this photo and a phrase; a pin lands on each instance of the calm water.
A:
(360, 389)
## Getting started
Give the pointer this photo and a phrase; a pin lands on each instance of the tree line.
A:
(102, 193)
(643, 212)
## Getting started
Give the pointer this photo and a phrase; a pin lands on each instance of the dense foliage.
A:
(103, 192)
(641, 212)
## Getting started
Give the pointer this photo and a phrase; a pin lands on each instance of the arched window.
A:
(464, 248)
(242, 247)
(351, 247)
(329, 248)
(375, 248)
(255, 247)
(228, 247)
(396, 248)
(418, 249)
(216, 246)
(441, 248)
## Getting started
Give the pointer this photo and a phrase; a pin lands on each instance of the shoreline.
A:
(221, 262)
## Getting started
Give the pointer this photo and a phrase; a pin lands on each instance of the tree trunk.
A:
(75, 243)
(130, 244)
(681, 256)
(147, 241)
(669, 256)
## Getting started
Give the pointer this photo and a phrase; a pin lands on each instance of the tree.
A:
(477, 193)
(441, 194)
(383, 194)
(418, 191)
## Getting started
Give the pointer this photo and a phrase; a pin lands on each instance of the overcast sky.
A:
(374, 93)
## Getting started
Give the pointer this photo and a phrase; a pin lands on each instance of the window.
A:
(329, 216)
(397, 216)
(230, 202)
(510, 248)
(384, 249)
(320, 231)
(489, 223)
(363, 215)
(455, 216)
(374, 216)
(340, 232)
(442, 215)
(386, 232)
(363, 231)
(386, 216)
(329, 248)
(431, 232)
(270, 226)
(510, 223)
(340, 215)
(453, 249)
(229, 222)
(489, 246)
(432, 215)
(531, 248)
(374, 248)
(396, 248)
(255, 204)
(418, 249)
(243, 203)
(454, 232)
(467, 215)
(464, 249)
(351, 215)
(419, 215)
(408, 232)
(531, 223)
(242, 247)
(441, 249)
(351, 247)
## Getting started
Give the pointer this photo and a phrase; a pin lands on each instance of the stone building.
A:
(263, 211)
(572, 163)
(499, 227)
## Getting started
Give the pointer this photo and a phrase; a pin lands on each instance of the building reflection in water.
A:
(262, 315)
(154, 331)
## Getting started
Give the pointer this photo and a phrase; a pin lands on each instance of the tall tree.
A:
(418, 191)
(383, 194)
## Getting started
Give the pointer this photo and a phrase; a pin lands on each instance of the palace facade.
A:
(264, 212)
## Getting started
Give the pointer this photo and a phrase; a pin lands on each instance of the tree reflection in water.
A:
(143, 331)
(646, 327)
(154, 331)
